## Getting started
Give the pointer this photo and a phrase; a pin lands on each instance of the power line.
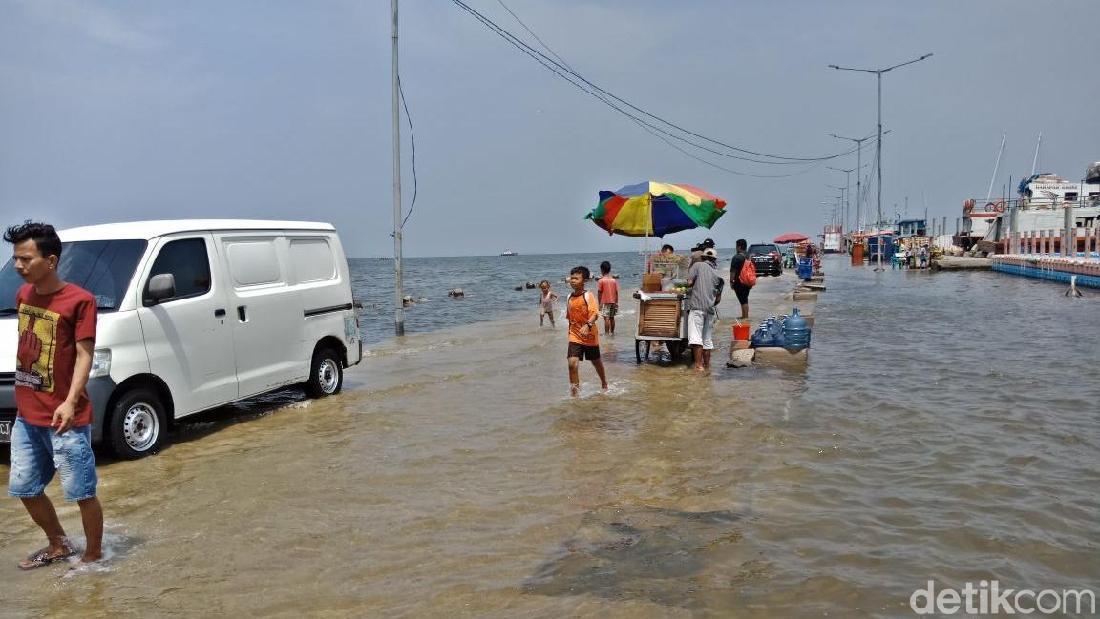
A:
(532, 33)
(412, 142)
(644, 125)
(561, 69)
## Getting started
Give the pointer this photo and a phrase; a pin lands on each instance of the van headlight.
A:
(101, 363)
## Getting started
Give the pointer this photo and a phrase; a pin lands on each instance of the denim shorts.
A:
(37, 452)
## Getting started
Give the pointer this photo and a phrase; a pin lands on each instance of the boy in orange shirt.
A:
(584, 340)
(607, 290)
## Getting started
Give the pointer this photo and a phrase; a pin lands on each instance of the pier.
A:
(960, 263)
(1086, 270)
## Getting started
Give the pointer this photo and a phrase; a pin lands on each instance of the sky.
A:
(129, 110)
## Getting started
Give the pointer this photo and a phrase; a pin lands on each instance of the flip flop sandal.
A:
(42, 558)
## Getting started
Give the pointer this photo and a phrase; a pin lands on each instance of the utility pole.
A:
(878, 150)
(840, 198)
(398, 285)
(859, 177)
(848, 190)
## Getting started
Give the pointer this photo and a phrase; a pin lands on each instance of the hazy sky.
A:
(157, 109)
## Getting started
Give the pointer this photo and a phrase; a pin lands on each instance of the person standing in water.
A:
(547, 298)
(607, 291)
(584, 340)
(706, 292)
(52, 430)
(739, 287)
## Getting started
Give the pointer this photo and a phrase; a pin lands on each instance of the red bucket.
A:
(741, 331)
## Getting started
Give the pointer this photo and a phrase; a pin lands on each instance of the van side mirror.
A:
(161, 287)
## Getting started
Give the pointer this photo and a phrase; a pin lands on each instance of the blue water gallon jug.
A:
(780, 338)
(761, 337)
(796, 333)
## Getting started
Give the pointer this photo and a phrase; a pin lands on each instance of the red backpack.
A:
(747, 277)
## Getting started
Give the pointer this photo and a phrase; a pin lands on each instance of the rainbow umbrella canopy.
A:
(656, 209)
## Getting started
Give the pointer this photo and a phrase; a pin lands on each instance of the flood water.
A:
(946, 428)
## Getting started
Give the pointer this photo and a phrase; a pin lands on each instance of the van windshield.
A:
(103, 268)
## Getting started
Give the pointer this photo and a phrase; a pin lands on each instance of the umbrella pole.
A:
(645, 243)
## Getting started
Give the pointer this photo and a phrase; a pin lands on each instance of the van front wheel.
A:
(138, 424)
(326, 374)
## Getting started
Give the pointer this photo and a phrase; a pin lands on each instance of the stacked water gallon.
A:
(769, 333)
(790, 332)
(796, 332)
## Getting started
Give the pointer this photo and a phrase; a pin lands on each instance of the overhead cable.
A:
(562, 69)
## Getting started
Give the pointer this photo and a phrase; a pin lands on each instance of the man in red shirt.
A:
(52, 432)
(607, 290)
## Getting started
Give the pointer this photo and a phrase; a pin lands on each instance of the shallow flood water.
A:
(945, 429)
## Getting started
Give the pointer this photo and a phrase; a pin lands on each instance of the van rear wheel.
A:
(138, 424)
(326, 374)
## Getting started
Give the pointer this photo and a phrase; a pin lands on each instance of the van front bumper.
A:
(99, 390)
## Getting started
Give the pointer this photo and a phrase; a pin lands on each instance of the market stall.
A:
(654, 209)
(661, 314)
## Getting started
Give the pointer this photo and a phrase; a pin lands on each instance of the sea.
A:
(488, 282)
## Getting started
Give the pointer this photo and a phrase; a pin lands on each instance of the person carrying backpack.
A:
(742, 276)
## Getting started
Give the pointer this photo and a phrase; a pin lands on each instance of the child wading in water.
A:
(584, 340)
(607, 289)
(546, 302)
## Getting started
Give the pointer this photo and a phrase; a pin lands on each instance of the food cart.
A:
(661, 314)
(661, 318)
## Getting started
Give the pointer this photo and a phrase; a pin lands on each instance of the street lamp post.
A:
(842, 198)
(848, 191)
(859, 183)
(859, 177)
(878, 150)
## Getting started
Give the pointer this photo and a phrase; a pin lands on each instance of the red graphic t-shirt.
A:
(49, 328)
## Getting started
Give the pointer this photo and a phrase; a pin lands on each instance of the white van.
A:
(194, 314)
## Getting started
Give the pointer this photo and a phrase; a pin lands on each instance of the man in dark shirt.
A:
(739, 289)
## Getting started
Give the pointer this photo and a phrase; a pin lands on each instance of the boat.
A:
(1045, 203)
(509, 252)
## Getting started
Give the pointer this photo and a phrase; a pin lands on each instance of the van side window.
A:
(312, 260)
(185, 259)
(253, 262)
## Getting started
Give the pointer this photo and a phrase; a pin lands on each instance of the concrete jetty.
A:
(961, 263)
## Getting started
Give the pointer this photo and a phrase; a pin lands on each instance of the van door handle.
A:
(219, 313)
(241, 314)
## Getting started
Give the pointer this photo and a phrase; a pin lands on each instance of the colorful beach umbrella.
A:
(790, 237)
(656, 209)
